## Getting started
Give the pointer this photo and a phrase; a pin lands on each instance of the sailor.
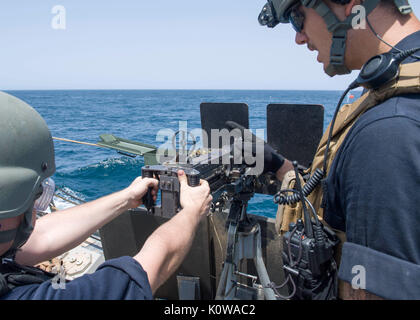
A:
(26, 160)
(371, 186)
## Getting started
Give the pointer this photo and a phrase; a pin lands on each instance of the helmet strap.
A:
(19, 235)
(339, 31)
(7, 236)
(403, 6)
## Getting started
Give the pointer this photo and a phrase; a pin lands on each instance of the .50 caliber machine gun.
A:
(232, 185)
(292, 130)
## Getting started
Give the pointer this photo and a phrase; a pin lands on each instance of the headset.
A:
(382, 69)
(376, 72)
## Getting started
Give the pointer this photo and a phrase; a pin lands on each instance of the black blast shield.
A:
(295, 130)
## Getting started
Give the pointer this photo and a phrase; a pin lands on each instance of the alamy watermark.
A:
(359, 20)
(359, 279)
(242, 147)
(59, 20)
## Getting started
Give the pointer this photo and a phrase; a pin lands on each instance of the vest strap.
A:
(7, 236)
(13, 275)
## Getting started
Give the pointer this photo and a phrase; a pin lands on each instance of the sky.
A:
(159, 44)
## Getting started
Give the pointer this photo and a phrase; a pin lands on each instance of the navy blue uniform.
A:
(373, 195)
(116, 279)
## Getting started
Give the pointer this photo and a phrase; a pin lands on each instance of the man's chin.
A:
(324, 66)
(322, 62)
(330, 73)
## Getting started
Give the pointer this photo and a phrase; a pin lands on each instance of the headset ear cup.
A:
(384, 68)
(378, 71)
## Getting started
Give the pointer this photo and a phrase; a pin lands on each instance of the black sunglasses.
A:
(296, 18)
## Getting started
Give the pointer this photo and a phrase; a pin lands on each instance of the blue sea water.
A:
(90, 172)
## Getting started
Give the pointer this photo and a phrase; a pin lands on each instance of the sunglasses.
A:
(296, 18)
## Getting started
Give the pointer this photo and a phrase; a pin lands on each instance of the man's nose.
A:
(301, 38)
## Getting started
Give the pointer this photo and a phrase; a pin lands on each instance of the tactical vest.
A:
(407, 82)
(13, 275)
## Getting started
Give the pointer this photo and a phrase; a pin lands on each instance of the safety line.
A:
(78, 142)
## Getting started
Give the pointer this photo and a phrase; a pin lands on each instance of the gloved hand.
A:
(272, 160)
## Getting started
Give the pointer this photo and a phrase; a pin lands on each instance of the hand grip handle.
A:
(148, 197)
(194, 180)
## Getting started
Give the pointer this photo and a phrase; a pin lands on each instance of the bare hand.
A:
(196, 199)
(139, 188)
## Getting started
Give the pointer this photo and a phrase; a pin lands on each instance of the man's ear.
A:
(349, 6)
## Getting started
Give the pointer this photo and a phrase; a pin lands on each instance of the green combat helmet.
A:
(26, 160)
(279, 11)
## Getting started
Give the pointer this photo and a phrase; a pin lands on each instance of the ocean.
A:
(88, 172)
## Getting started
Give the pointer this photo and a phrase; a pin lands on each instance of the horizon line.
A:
(357, 89)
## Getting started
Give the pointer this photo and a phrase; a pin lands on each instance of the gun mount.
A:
(218, 264)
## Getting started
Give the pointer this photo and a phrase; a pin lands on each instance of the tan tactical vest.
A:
(407, 82)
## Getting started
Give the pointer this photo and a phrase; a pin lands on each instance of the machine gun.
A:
(232, 185)
(287, 132)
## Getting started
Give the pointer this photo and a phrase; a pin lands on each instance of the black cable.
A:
(295, 194)
(405, 54)
(323, 173)
(308, 188)
(272, 285)
(388, 44)
(289, 249)
(352, 86)
(293, 264)
(313, 211)
(318, 175)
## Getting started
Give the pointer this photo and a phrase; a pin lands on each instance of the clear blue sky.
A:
(166, 44)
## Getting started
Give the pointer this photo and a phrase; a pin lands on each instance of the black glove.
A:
(272, 160)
